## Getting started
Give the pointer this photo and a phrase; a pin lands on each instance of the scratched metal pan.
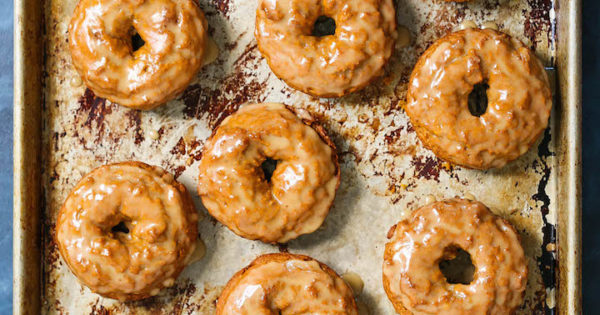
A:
(62, 131)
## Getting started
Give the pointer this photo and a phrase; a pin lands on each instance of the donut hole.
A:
(136, 41)
(268, 167)
(478, 101)
(324, 26)
(456, 266)
(120, 228)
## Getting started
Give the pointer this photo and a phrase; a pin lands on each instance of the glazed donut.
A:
(298, 195)
(127, 230)
(458, 119)
(414, 282)
(332, 65)
(100, 40)
(284, 283)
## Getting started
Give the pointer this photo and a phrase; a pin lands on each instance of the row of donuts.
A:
(104, 39)
(128, 229)
(477, 98)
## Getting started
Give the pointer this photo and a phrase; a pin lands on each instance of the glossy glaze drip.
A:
(232, 185)
(354, 281)
(404, 37)
(211, 52)
(490, 24)
(467, 24)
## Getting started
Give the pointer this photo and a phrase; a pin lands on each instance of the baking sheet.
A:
(385, 170)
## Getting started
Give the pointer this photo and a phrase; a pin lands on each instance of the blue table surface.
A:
(591, 149)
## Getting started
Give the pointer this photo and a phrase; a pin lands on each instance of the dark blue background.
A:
(591, 150)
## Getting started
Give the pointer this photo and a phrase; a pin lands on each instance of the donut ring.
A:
(411, 276)
(518, 107)
(127, 230)
(174, 32)
(284, 283)
(326, 66)
(300, 192)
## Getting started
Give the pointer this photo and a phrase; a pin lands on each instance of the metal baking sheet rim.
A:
(28, 100)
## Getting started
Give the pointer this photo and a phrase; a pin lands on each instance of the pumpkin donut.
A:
(479, 98)
(275, 208)
(284, 283)
(412, 277)
(326, 65)
(173, 33)
(127, 230)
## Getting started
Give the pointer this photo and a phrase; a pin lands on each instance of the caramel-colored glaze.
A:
(327, 66)
(354, 281)
(403, 38)
(100, 42)
(490, 25)
(467, 24)
(519, 98)
(301, 190)
(159, 215)
(211, 52)
(412, 278)
(286, 284)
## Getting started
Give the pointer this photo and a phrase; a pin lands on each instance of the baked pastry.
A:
(127, 230)
(104, 36)
(284, 283)
(308, 55)
(434, 233)
(241, 193)
(479, 98)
